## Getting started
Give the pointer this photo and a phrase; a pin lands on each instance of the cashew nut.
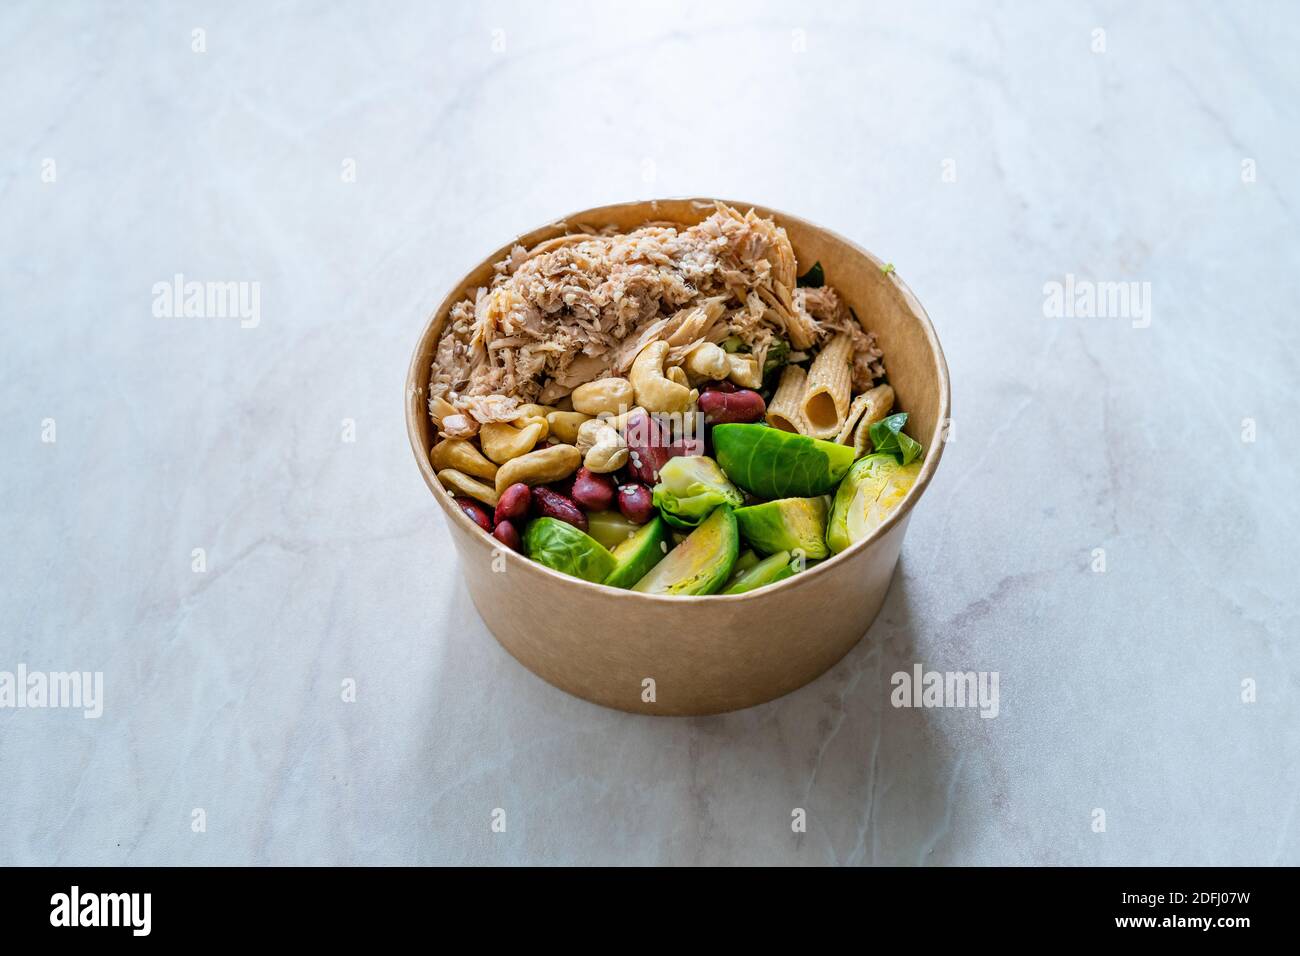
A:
(707, 361)
(538, 420)
(529, 414)
(605, 396)
(539, 467)
(519, 424)
(501, 441)
(463, 484)
(565, 425)
(603, 448)
(620, 421)
(745, 370)
(533, 411)
(440, 408)
(461, 455)
(654, 391)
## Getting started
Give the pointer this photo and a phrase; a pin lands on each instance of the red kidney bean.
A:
(720, 386)
(592, 491)
(513, 503)
(550, 504)
(648, 448)
(636, 503)
(505, 533)
(564, 486)
(475, 512)
(694, 445)
(725, 408)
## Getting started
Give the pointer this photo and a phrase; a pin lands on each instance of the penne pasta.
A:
(856, 409)
(785, 411)
(867, 409)
(862, 431)
(830, 382)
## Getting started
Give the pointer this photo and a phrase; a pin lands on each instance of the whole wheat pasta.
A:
(785, 411)
(867, 409)
(856, 409)
(830, 382)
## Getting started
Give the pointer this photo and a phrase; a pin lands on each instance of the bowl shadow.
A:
(876, 781)
(874, 784)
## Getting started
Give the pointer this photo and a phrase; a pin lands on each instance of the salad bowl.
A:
(676, 655)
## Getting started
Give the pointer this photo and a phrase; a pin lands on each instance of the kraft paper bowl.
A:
(705, 655)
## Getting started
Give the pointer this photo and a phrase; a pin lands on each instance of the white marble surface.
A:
(328, 561)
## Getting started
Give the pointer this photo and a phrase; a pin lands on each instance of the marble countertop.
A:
(222, 517)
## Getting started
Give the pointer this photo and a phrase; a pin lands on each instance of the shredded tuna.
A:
(458, 426)
(581, 306)
(485, 409)
(829, 312)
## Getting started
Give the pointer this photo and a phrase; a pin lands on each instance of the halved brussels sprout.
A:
(787, 524)
(690, 487)
(868, 494)
(775, 567)
(702, 563)
(635, 556)
(610, 528)
(772, 463)
(743, 563)
(559, 545)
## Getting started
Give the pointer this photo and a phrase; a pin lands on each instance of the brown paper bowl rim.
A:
(417, 378)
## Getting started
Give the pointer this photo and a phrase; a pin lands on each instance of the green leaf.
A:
(887, 436)
(777, 354)
(814, 278)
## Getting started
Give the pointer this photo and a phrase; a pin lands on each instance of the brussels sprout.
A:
(702, 563)
(787, 524)
(638, 554)
(746, 561)
(610, 528)
(559, 545)
(868, 494)
(690, 487)
(776, 567)
(772, 463)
